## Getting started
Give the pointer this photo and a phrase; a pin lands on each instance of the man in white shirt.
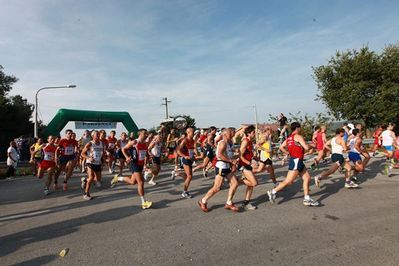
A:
(12, 159)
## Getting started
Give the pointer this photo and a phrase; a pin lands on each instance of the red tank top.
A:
(248, 154)
(294, 148)
(141, 149)
(111, 143)
(188, 149)
(319, 141)
(49, 152)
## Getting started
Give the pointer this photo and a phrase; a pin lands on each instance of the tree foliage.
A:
(361, 85)
(308, 122)
(15, 113)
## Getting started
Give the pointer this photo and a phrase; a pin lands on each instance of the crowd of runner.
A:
(236, 157)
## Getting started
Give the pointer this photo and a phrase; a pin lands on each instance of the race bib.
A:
(142, 154)
(49, 156)
(69, 150)
(191, 153)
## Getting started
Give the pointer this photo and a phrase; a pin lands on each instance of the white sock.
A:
(203, 201)
(142, 199)
(274, 191)
(120, 178)
(307, 197)
(229, 202)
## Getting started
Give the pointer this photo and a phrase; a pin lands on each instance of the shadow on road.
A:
(20, 239)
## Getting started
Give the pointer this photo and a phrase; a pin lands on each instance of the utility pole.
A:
(165, 100)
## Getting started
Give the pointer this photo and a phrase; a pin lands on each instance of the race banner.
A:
(95, 125)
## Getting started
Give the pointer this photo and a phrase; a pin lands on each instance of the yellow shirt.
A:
(36, 147)
(264, 155)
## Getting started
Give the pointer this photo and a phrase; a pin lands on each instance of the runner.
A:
(136, 152)
(387, 137)
(179, 170)
(12, 159)
(264, 147)
(355, 150)
(320, 139)
(209, 145)
(111, 151)
(225, 168)
(377, 141)
(48, 162)
(245, 161)
(121, 143)
(155, 149)
(338, 147)
(35, 160)
(171, 143)
(86, 138)
(296, 146)
(187, 150)
(93, 153)
(67, 149)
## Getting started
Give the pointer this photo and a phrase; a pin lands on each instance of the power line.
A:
(166, 106)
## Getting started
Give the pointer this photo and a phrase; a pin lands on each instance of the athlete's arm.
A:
(283, 147)
(85, 150)
(358, 145)
(327, 145)
(243, 147)
(302, 141)
(125, 150)
(343, 144)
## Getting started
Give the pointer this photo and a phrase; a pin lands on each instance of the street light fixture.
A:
(36, 102)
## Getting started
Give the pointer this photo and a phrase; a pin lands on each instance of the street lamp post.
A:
(36, 102)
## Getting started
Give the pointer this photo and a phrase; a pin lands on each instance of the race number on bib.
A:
(69, 150)
(142, 154)
(49, 156)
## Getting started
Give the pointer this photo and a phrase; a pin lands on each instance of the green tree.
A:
(15, 114)
(361, 85)
(308, 122)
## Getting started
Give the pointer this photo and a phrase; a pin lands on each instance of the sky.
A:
(214, 60)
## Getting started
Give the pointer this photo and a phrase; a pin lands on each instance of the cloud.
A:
(213, 62)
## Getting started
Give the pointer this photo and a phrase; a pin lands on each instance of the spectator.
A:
(12, 159)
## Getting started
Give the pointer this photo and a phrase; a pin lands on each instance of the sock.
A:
(120, 178)
(142, 199)
(307, 197)
(229, 202)
(246, 202)
(274, 191)
(203, 201)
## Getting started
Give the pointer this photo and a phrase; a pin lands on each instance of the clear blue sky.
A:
(213, 59)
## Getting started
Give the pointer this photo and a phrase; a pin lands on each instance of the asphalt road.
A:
(351, 227)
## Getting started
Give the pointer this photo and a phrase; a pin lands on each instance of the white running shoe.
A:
(310, 202)
(152, 183)
(173, 176)
(146, 175)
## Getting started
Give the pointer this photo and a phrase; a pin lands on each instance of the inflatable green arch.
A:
(63, 116)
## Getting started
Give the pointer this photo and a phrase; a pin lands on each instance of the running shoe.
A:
(203, 206)
(186, 195)
(310, 202)
(146, 175)
(205, 173)
(317, 180)
(249, 207)
(152, 183)
(231, 207)
(114, 180)
(350, 184)
(46, 191)
(173, 176)
(65, 186)
(146, 205)
(386, 170)
(87, 197)
(355, 179)
(98, 184)
(272, 197)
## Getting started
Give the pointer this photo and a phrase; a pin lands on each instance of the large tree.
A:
(361, 85)
(15, 114)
